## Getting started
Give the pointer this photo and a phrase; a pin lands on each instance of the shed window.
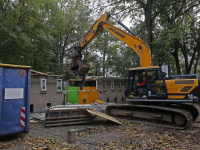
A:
(31, 108)
(112, 85)
(43, 84)
(120, 85)
(104, 86)
(59, 84)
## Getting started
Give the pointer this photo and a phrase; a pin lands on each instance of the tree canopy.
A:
(42, 34)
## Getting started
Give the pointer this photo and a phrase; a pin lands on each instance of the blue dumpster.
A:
(14, 98)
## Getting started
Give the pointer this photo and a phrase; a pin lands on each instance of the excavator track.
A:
(172, 116)
(194, 109)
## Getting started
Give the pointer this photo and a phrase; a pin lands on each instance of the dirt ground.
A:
(104, 135)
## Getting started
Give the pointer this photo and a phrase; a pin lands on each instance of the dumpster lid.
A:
(14, 66)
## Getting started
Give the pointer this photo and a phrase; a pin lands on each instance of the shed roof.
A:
(101, 79)
(33, 72)
(86, 79)
(14, 66)
(37, 73)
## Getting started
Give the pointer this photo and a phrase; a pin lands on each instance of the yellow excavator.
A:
(160, 100)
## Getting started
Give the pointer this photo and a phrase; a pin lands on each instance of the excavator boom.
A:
(139, 46)
(79, 67)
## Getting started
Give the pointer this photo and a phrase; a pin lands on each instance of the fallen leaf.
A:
(97, 147)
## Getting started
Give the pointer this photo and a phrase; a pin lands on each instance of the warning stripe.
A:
(22, 124)
(23, 110)
(23, 117)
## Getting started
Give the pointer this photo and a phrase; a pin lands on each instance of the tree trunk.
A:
(188, 65)
(148, 21)
(175, 54)
(104, 57)
(195, 66)
(96, 70)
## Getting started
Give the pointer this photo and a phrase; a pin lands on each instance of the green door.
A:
(72, 95)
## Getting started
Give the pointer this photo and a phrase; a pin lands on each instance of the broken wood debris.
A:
(73, 114)
(103, 115)
(59, 117)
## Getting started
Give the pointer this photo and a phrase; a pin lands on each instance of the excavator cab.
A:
(146, 83)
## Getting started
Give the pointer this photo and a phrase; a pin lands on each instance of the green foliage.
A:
(169, 28)
(24, 37)
(42, 33)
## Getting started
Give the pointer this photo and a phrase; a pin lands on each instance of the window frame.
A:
(31, 108)
(59, 90)
(120, 86)
(41, 85)
(112, 85)
(153, 76)
(104, 85)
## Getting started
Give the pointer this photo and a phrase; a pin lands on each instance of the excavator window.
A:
(133, 78)
(154, 77)
(141, 77)
(156, 87)
(136, 77)
(153, 88)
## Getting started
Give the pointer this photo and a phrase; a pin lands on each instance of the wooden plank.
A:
(70, 107)
(71, 123)
(67, 120)
(91, 111)
(63, 117)
(67, 117)
(65, 110)
(64, 106)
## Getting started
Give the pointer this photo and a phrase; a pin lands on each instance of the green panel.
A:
(63, 89)
(72, 95)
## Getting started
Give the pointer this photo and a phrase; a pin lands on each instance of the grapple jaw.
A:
(79, 67)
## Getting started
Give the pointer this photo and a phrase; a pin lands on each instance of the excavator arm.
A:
(79, 67)
(139, 46)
